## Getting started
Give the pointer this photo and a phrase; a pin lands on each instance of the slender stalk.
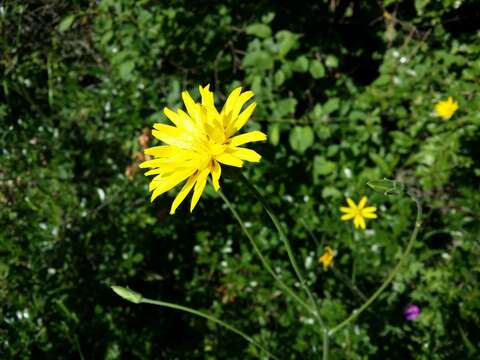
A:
(343, 278)
(354, 265)
(210, 318)
(325, 344)
(388, 280)
(284, 238)
(311, 233)
(264, 261)
(77, 345)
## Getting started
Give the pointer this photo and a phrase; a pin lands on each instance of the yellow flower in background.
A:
(198, 142)
(358, 213)
(446, 108)
(327, 258)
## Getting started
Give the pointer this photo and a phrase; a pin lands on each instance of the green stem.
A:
(311, 233)
(343, 278)
(264, 261)
(210, 318)
(340, 276)
(284, 238)
(388, 280)
(354, 267)
(325, 344)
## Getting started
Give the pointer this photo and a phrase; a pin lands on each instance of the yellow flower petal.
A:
(246, 154)
(361, 222)
(153, 172)
(351, 203)
(229, 159)
(186, 123)
(231, 100)
(242, 99)
(346, 217)
(207, 96)
(199, 186)
(216, 171)
(183, 193)
(192, 108)
(247, 137)
(170, 182)
(237, 124)
(161, 151)
(174, 140)
(362, 203)
(172, 116)
(370, 216)
(347, 210)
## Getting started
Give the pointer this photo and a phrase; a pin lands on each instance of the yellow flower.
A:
(358, 212)
(446, 108)
(327, 258)
(198, 142)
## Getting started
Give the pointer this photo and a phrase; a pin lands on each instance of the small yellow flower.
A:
(199, 141)
(358, 212)
(327, 258)
(446, 108)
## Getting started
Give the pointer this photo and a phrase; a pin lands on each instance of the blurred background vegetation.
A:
(345, 90)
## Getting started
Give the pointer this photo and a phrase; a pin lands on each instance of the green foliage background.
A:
(345, 93)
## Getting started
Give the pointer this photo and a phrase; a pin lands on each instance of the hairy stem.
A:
(210, 318)
(325, 344)
(264, 261)
(284, 238)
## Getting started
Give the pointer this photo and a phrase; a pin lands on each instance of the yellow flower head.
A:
(446, 108)
(327, 258)
(198, 142)
(358, 213)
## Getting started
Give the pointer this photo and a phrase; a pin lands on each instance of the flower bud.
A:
(128, 294)
(386, 186)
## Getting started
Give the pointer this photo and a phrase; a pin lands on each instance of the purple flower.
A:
(411, 312)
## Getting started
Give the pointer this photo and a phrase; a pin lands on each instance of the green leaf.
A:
(420, 6)
(301, 64)
(316, 69)
(331, 192)
(258, 59)
(274, 134)
(106, 37)
(267, 19)
(286, 41)
(259, 30)
(301, 138)
(331, 105)
(125, 69)
(380, 162)
(331, 61)
(323, 131)
(279, 77)
(322, 166)
(317, 111)
(66, 23)
(285, 107)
